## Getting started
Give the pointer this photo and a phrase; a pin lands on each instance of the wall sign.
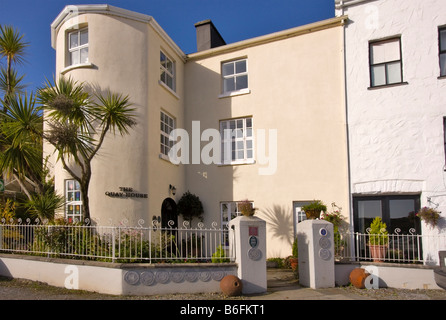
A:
(126, 192)
(253, 241)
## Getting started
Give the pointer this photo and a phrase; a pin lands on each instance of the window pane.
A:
(74, 40)
(367, 211)
(393, 72)
(378, 75)
(385, 51)
(75, 57)
(242, 82)
(84, 55)
(240, 66)
(84, 37)
(443, 40)
(402, 214)
(443, 64)
(229, 85)
(228, 69)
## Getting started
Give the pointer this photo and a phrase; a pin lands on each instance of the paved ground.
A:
(281, 286)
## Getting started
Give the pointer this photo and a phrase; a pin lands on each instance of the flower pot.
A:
(378, 252)
(231, 286)
(312, 214)
(294, 262)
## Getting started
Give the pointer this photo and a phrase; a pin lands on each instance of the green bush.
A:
(219, 256)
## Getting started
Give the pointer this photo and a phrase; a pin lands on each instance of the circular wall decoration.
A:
(162, 277)
(218, 275)
(191, 276)
(177, 277)
(205, 276)
(324, 254)
(131, 277)
(254, 254)
(147, 278)
(325, 243)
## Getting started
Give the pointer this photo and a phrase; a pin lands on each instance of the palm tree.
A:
(21, 141)
(12, 47)
(78, 126)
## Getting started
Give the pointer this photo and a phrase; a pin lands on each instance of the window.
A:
(385, 62)
(78, 46)
(167, 71)
(237, 141)
(167, 125)
(229, 210)
(73, 200)
(235, 75)
(396, 211)
(442, 44)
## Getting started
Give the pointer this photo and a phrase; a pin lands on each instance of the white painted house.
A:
(395, 68)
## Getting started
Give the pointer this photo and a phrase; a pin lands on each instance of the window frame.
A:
(441, 52)
(164, 136)
(79, 47)
(72, 201)
(169, 73)
(234, 139)
(234, 76)
(386, 63)
(385, 209)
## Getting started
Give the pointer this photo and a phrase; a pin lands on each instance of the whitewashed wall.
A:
(396, 133)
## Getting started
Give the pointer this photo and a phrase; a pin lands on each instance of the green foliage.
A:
(315, 205)
(295, 252)
(190, 206)
(429, 215)
(378, 232)
(219, 256)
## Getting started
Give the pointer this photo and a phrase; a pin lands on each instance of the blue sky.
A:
(235, 19)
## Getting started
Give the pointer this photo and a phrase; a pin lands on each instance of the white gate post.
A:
(249, 234)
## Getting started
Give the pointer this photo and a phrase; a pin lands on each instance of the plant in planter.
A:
(245, 207)
(190, 206)
(378, 239)
(429, 215)
(313, 209)
(294, 257)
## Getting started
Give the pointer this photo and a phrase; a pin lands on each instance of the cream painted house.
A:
(283, 93)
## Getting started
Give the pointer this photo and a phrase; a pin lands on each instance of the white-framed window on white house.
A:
(237, 141)
(442, 45)
(78, 46)
(385, 62)
(167, 71)
(73, 199)
(167, 124)
(235, 75)
(229, 210)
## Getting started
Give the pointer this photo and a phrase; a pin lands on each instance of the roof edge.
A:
(305, 29)
(71, 11)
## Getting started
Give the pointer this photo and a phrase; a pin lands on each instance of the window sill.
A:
(78, 66)
(237, 163)
(234, 93)
(162, 84)
(388, 85)
(166, 158)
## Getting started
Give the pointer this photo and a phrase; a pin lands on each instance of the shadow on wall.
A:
(279, 224)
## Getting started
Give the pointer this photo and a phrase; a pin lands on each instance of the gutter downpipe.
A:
(349, 188)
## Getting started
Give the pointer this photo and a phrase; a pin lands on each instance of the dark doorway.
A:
(169, 213)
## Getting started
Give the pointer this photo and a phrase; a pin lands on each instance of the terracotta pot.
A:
(294, 262)
(378, 252)
(231, 286)
(357, 277)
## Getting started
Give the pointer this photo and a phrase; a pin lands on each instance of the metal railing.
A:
(395, 247)
(117, 243)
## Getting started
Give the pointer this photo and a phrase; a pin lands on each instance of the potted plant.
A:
(378, 239)
(293, 259)
(189, 206)
(245, 207)
(429, 215)
(313, 209)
